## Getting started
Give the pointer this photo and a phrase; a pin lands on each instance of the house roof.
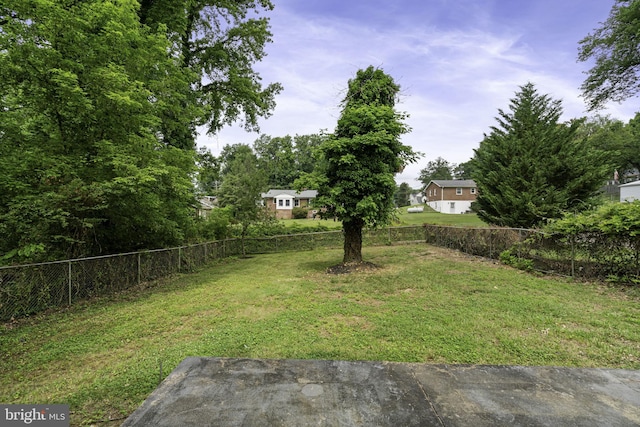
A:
(631, 184)
(305, 194)
(207, 202)
(458, 183)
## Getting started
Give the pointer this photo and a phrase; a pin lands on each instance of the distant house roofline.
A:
(304, 194)
(458, 183)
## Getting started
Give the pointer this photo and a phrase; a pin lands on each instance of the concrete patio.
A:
(255, 392)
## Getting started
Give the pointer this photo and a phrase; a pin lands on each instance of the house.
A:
(206, 205)
(630, 191)
(416, 198)
(282, 202)
(451, 196)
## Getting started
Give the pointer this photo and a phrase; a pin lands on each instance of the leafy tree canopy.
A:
(403, 195)
(616, 49)
(241, 189)
(98, 104)
(531, 167)
(356, 181)
(436, 169)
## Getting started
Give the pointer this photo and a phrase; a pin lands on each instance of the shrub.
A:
(300, 213)
(216, 226)
(508, 258)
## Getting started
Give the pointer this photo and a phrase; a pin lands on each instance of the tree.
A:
(208, 172)
(616, 49)
(305, 152)
(217, 43)
(617, 139)
(436, 169)
(241, 190)
(83, 171)
(403, 195)
(531, 168)
(98, 106)
(356, 183)
(463, 170)
(276, 158)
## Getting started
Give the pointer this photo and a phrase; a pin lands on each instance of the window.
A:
(473, 190)
(280, 203)
(458, 191)
(287, 203)
(296, 203)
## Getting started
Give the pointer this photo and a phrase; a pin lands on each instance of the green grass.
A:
(424, 304)
(429, 216)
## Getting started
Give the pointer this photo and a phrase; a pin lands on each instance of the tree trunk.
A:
(352, 241)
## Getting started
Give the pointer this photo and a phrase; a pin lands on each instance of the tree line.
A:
(99, 103)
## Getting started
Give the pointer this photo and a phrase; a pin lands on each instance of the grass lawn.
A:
(424, 304)
(429, 216)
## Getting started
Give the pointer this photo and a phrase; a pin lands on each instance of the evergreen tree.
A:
(531, 167)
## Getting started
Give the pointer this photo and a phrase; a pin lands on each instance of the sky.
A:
(457, 61)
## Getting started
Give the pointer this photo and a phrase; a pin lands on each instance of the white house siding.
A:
(445, 206)
(630, 192)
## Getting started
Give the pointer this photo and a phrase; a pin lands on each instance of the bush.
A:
(216, 226)
(508, 258)
(300, 213)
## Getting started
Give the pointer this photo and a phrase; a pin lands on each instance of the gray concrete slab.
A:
(254, 392)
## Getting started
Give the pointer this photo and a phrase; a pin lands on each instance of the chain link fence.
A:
(29, 289)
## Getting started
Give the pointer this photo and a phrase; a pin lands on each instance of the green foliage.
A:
(285, 159)
(241, 190)
(613, 219)
(437, 169)
(463, 170)
(300, 213)
(402, 195)
(208, 172)
(216, 226)
(83, 171)
(98, 108)
(531, 168)
(356, 183)
(615, 46)
(617, 139)
(509, 258)
(218, 42)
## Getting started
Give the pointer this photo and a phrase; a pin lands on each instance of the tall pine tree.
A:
(531, 167)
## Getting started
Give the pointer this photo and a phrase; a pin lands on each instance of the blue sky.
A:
(457, 62)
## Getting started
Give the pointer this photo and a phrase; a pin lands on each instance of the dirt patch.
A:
(352, 267)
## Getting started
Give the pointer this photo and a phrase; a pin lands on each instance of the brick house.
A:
(451, 196)
(282, 202)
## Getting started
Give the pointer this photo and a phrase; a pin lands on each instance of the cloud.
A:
(457, 66)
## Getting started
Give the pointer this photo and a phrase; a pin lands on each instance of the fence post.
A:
(139, 269)
(69, 283)
(491, 244)
(573, 256)
(519, 241)
(179, 258)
